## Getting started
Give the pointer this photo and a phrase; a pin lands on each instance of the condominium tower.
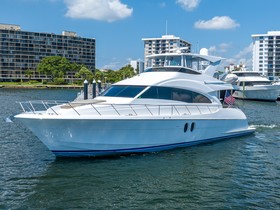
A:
(266, 53)
(165, 44)
(22, 50)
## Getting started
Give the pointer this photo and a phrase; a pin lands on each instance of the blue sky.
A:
(224, 27)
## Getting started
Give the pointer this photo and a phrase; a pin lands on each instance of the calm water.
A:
(240, 173)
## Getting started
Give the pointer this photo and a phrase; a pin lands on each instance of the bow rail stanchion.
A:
(93, 89)
(85, 89)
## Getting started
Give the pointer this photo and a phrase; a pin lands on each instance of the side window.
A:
(123, 91)
(175, 94)
(164, 93)
(152, 92)
(158, 93)
(182, 95)
(199, 98)
(249, 84)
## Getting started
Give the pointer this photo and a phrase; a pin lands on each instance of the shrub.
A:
(59, 81)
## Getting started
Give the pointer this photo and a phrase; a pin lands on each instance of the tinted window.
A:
(123, 91)
(247, 74)
(175, 94)
(152, 92)
(257, 83)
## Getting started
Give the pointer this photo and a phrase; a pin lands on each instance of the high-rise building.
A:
(137, 65)
(165, 44)
(23, 50)
(266, 53)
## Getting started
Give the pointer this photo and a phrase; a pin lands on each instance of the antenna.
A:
(166, 27)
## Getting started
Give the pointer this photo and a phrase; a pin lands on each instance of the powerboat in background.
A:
(252, 86)
(165, 107)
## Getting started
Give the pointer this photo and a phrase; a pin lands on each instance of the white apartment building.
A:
(165, 44)
(137, 65)
(266, 53)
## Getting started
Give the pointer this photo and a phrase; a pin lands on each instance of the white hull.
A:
(101, 136)
(263, 93)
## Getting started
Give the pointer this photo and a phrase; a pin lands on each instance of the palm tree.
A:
(28, 73)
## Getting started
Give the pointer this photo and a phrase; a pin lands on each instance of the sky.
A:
(224, 27)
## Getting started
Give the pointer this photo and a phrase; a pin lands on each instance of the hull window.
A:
(186, 127)
(192, 126)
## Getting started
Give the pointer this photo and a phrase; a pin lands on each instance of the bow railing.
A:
(105, 109)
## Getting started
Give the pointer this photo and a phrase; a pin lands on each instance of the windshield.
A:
(127, 91)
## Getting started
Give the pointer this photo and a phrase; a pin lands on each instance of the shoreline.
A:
(42, 86)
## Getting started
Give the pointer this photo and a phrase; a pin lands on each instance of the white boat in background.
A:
(252, 86)
(163, 108)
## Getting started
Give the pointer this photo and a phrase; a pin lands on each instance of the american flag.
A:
(229, 99)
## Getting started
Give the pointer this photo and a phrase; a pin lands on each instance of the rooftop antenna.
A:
(197, 47)
(166, 27)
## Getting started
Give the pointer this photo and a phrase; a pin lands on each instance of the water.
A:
(240, 173)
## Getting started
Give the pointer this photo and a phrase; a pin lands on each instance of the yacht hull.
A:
(103, 136)
(269, 93)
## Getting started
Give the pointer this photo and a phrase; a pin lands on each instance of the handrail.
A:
(103, 109)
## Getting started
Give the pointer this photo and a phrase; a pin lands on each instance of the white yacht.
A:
(252, 86)
(162, 108)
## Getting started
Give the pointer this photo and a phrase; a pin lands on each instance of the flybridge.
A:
(202, 62)
(172, 69)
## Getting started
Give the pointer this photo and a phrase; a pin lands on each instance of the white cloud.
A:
(104, 10)
(113, 66)
(220, 49)
(188, 4)
(247, 50)
(222, 22)
(212, 49)
(243, 57)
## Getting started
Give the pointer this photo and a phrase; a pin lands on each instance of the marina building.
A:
(266, 53)
(21, 51)
(165, 44)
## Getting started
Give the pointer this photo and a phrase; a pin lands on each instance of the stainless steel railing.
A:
(102, 109)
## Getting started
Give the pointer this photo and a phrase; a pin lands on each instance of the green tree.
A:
(54, 66)
(98, 75)
(127, 71)
(28, 73)
(85, 74)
